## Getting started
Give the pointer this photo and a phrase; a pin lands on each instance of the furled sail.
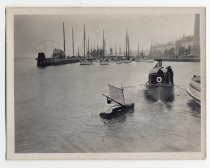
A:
(116, 94)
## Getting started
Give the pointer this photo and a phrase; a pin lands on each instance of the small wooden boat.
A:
(116, 97)
(194, 89)
(160, 84)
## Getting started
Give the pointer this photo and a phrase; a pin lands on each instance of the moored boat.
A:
(160, 84)
(194, 89)
(116, 104)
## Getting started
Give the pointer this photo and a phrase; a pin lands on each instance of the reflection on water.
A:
(195, 108)
(57, 110)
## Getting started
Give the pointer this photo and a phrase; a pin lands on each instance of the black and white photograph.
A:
(105, 83)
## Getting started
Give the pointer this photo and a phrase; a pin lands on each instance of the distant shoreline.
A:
(178, 60)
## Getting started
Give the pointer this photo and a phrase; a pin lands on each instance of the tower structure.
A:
(196, 48)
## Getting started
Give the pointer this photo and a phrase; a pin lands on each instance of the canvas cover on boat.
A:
(116, 94)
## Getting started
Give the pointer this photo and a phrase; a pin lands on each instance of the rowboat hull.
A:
(161, 92)
(118, 112)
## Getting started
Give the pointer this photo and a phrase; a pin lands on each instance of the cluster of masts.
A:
(87, 51)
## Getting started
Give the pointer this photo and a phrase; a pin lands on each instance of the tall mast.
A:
(126, 49)
(142, 53)
(73, 40)
(78, 51)
(128, 46)
(115, 49)
(138, 49)
(84, 41)
(64, 40)
(88, 48)
(88, 43)
(103, 45)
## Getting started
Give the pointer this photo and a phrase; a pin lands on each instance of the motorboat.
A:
(160, 85)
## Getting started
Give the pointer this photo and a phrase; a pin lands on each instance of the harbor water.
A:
(57, 110)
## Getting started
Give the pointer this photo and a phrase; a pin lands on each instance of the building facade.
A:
(185, 47)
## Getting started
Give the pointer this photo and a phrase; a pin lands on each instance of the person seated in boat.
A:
(170, 74)
(110, 106)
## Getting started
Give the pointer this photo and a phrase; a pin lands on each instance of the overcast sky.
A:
(29, 30)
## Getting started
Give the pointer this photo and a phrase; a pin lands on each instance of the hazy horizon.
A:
(143, 29)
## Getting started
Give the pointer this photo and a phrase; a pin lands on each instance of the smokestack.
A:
(197, 29)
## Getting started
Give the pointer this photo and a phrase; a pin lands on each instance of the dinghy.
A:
(117, 101)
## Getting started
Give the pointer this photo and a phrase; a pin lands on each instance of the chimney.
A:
(197, 29)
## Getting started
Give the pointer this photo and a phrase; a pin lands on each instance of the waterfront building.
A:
(185, 47)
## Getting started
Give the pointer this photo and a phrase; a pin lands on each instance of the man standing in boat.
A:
(171, 74)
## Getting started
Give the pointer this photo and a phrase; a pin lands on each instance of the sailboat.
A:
(85, 61)
(116, 97)
(104, 61)
(127, 48)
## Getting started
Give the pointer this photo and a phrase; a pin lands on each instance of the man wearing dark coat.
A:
(171, 74)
